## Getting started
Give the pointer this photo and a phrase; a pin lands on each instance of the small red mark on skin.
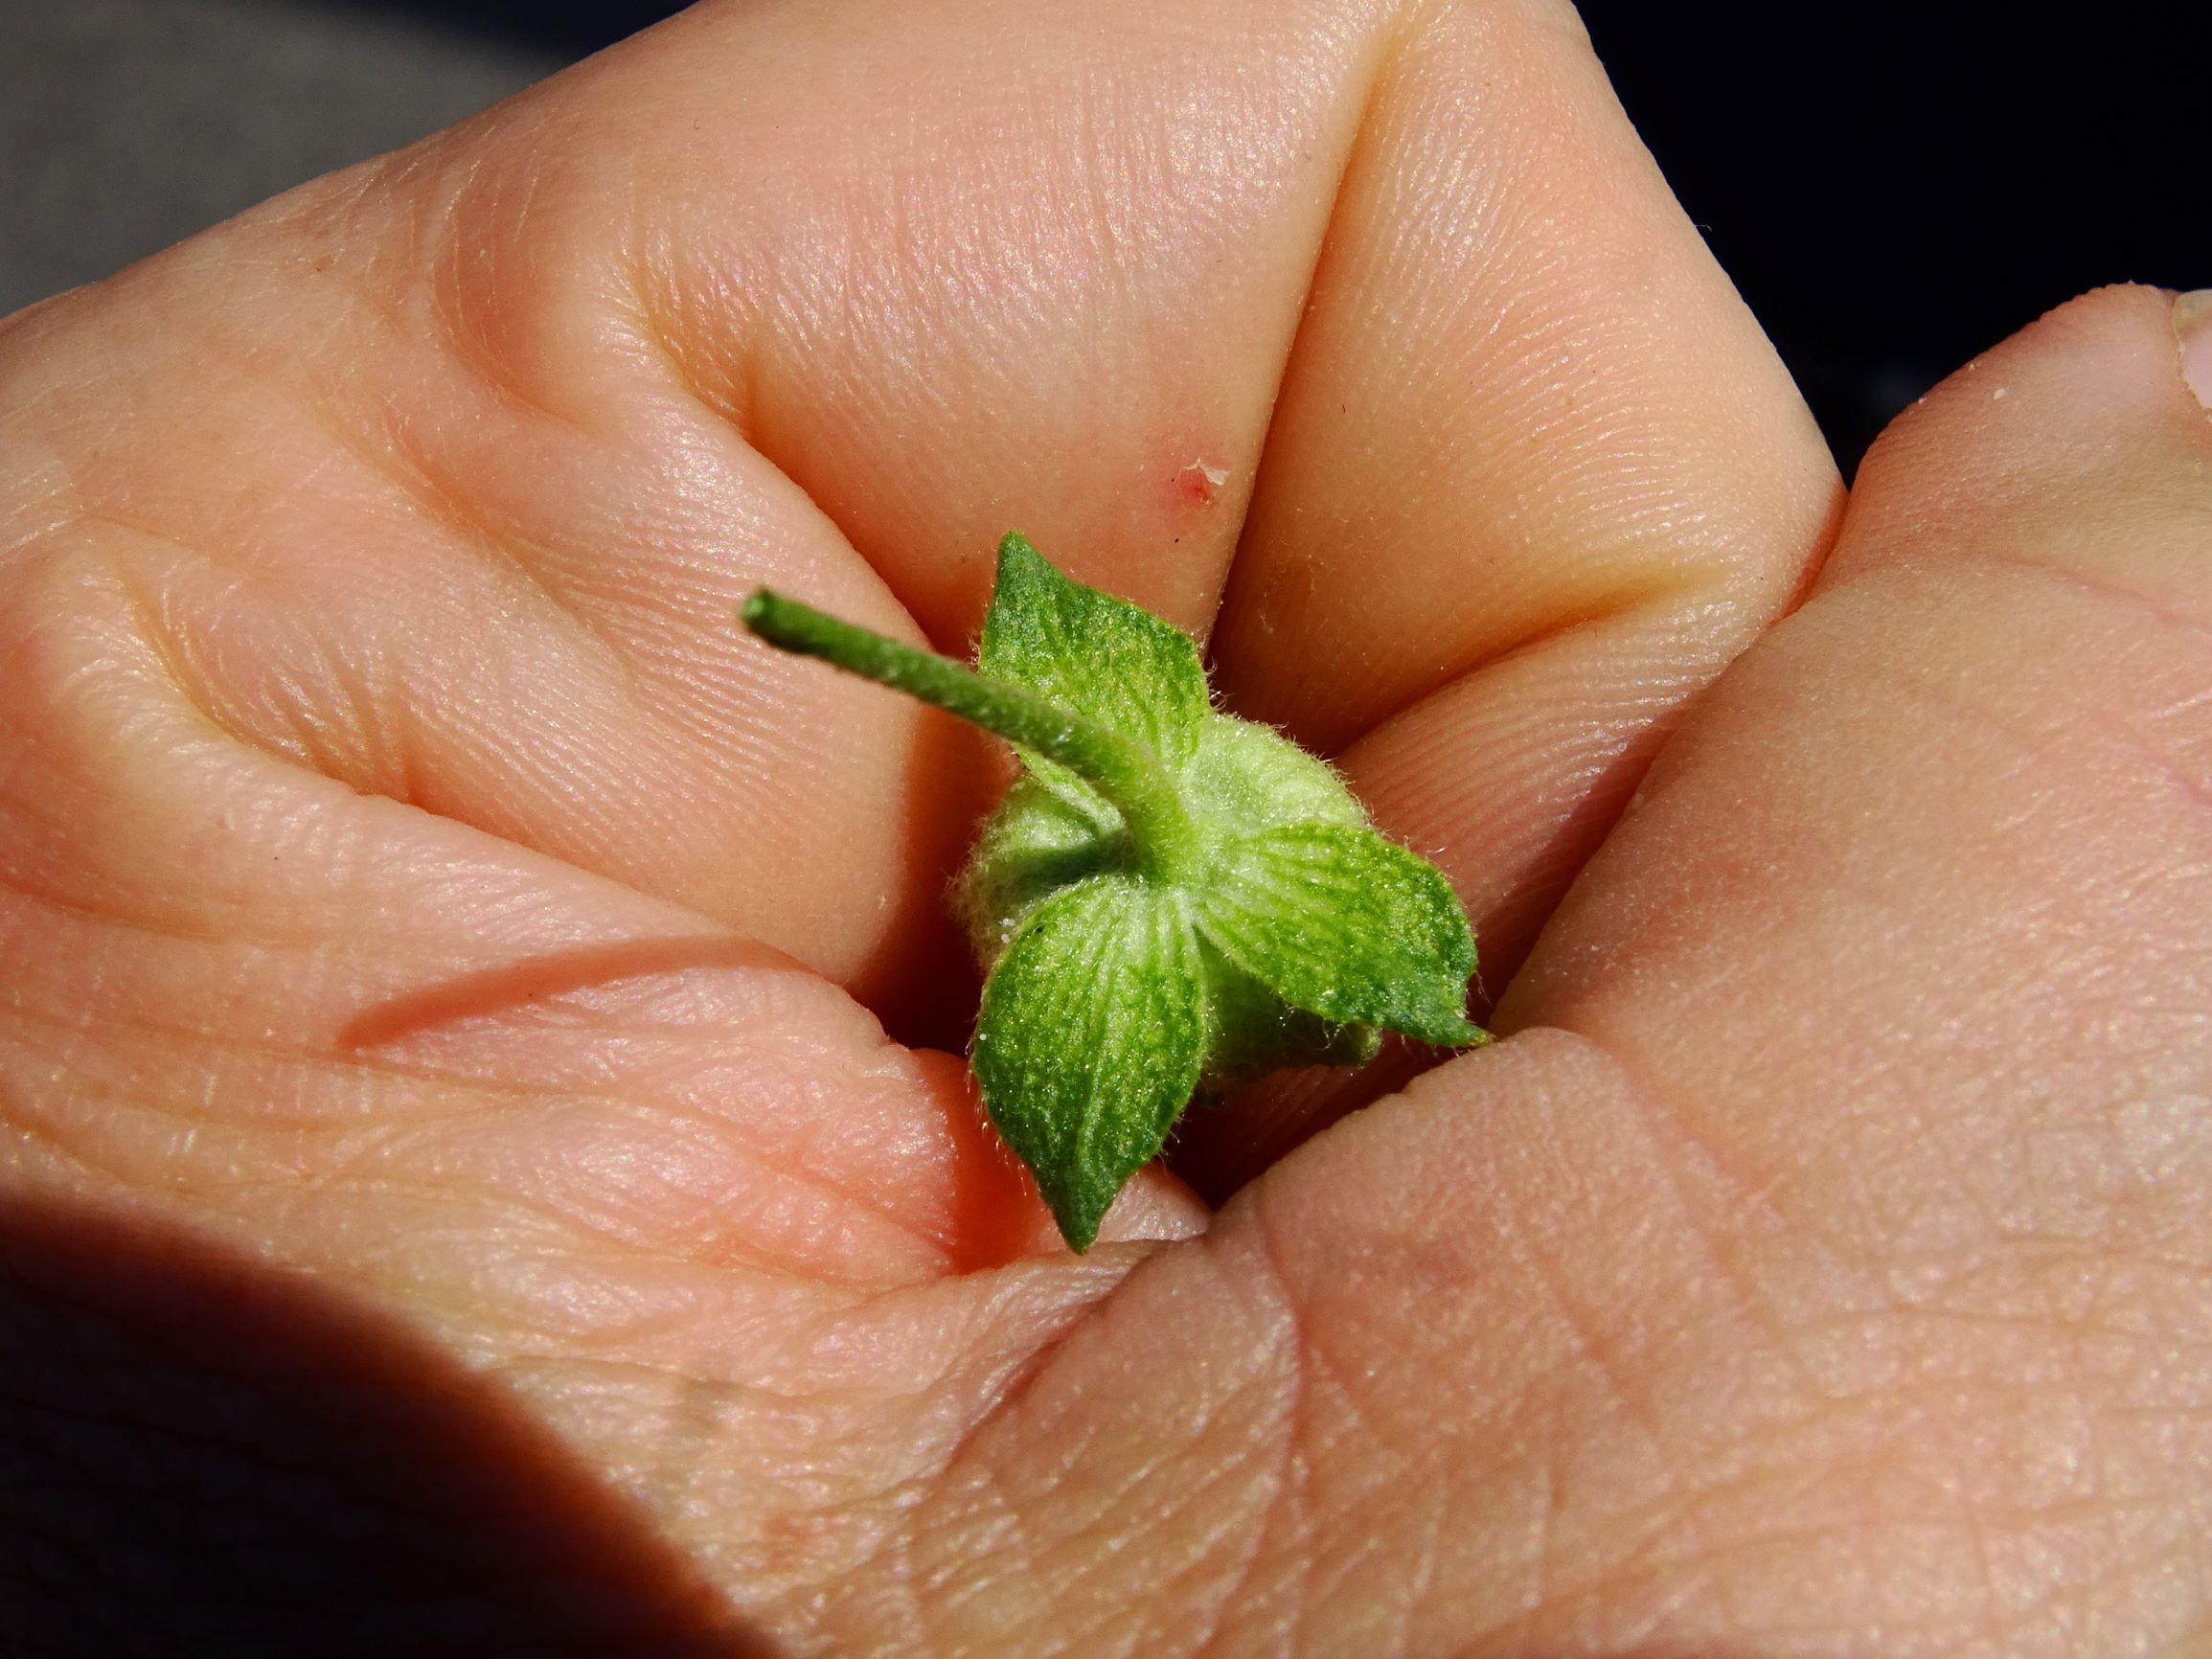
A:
(1201, 481)
(1181, 524)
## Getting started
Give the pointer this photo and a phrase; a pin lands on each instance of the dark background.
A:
(1893, 186)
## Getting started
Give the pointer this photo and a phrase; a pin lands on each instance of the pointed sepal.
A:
(1103, 657)
(1091, 1040)
(1345, 925)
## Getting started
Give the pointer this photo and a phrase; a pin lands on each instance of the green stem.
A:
(1127, 774)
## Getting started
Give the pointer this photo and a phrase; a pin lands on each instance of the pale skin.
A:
(415, 881)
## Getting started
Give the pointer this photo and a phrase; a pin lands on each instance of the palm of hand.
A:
(416, 878)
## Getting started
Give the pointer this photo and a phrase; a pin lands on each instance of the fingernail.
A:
(2193, 328)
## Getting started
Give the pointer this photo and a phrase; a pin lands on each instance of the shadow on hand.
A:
(205, 1455)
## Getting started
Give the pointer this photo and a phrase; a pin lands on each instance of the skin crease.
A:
(413, 878)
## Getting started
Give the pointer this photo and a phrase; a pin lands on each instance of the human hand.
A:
(417, 881)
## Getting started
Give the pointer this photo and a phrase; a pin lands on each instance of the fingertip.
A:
(2077, 444)
(1155, 1207)
(2193, 333)
(2092, 389)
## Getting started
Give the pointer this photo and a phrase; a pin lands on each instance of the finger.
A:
(365, 539)
(2029, 540)
(724, 305)
(1006, 267)
(1534, 478)
(714, 309)
(678, 1195)
(1826, 1251)
(281, 979)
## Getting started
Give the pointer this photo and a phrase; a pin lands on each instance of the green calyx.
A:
(1170, 900)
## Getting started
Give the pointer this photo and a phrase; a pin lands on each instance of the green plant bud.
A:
(1170, 900)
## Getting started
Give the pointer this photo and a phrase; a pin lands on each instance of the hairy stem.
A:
(1161, 833)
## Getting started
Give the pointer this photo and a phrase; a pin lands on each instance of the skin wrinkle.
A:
(766, 444)
(1082, 1549)
(1617, 1375)
(248, 362)
(1535, 1554)
(410, 467)
(118, 919)
(652, 321)
(1637, 1592)
(1387, 766)
(555, 983)
(2108, 592)
(1669, 1127)
(388, 472)
(340, 211)
(2196, 789)
(599, 1347)
(2010, 1607)
(1747, 1208)
(1635, 591)
(501, 1211)
(744, 1346)
(1284, 1492)
(758, 1159)
(1843, 883)
(680, 1110)
(1084, 1559)
(453, 277)
(26, 1132)
(395, 1144)
(453, 1310)
(971, 1581)
(1409, 1599)
(1334, 1587)
(197, 1122)
(2049, 748)
(1679, 1504)
(967, 1579)
(1591, 1589)
(309, 747)
(399, 737)
(1634, 1617)
(1198, 1610)
(1642, 603)
(59, 487)
(1695, 1568)
(315, 1054)
(1287, 1505)
(1203, 1623)
(1392, 47)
